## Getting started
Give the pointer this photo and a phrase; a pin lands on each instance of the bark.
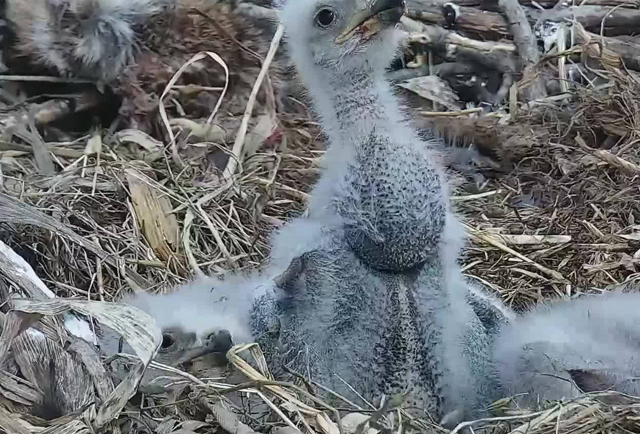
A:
(527, 47)
(611, 52)
(476, 55)
(618, 21)
(490, 24)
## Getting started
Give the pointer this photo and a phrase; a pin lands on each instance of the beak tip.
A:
(387, 11)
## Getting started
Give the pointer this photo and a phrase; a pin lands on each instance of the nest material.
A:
(568, 206)
(173, 37)
(98, 212)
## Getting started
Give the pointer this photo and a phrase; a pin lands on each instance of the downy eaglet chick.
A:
(136, 46)
(373, 299)
(203, 316)
(561, 349)
(365, 296)
(382, 182)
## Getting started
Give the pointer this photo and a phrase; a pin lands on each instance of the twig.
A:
(163, 112)
(216, 234)
(453, 114)
(242, 132)
(44, 79)
(475, 196)
(614, 160)
(305, 197)
(489, 240)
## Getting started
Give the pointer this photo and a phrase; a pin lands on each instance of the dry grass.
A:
(100, 212)
(569, 206)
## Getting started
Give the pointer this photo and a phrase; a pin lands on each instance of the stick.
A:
(463, 18)
(611, 52)
(527, 46)
(242, 132)
(489, 240)
(591, 17)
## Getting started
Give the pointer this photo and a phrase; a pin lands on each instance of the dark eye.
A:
(167, 341)
(325, 17)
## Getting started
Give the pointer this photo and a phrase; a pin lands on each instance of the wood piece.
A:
(616, 20)
(153, 212)
(611, 52)
(446, 40)
(56, 109)
(492, 5)
(615, 161)
(527, 47)
(498, 56)
(630, 4)
(619, 20)
(467, 19)
(444, 69)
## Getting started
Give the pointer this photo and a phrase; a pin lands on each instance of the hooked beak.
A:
(219, 344)
(373, 18)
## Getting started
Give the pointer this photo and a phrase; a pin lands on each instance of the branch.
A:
(498, 56)
(527, 46)
(611, 52)
(591, 17)
(492, 5)
(448, 15)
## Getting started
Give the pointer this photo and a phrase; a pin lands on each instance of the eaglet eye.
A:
(325, 17)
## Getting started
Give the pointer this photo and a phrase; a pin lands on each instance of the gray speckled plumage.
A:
(380, 303)
(365, 295)
(395, 212)
(561, 349)
(364, 332)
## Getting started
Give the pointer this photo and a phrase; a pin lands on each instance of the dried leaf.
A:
(12, 423)
(94, 145)
(18, 390)
(73, 427)
(15, 323)
(193, 425)
(325, 424)
(135, 326)
(203, 131)
(140, 138)
(22, 275)
(65, 385)
(91, 360)
(120, 396)
(631, 237)
(227, 419)
(434, 89)
(352, 421)
(260, 132)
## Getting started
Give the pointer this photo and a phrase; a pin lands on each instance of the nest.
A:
(563, 221)
(87, 215)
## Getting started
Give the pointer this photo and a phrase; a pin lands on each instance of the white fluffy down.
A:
(205, 305)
